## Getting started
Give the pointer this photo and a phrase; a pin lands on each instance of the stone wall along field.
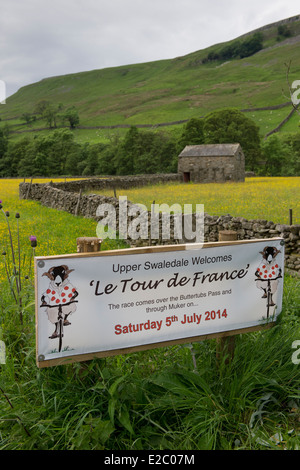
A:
(67, 196)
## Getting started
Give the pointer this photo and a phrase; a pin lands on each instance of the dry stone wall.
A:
(68, 197)
(115, 182)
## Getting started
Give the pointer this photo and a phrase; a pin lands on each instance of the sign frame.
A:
(42, 362)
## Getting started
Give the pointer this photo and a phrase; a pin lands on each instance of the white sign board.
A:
(100, 304)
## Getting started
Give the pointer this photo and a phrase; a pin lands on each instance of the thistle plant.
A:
(12, 262)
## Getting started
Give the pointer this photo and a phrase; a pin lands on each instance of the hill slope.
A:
(176, 89)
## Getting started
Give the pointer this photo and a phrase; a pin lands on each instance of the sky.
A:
(45, 38)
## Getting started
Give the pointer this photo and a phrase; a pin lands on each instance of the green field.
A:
(177, 398)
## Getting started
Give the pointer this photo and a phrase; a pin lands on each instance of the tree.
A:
(51, 155)
(17, 151)
(58, 147)
(284, 31)
(89, 154)
(41, 106)
(238, 49)
(140, 152)
(192, 134)
(128, 152)
(28, 118)
(292, 162)
(27, 162)
(71, 115)
(48, 111)
(281, 155)
(272, 155)
(168, 157)
(229, 126)
(231, 51)
(50, 115)
(251, 45)
(3, 142)
(211, 56)
(107, 162)
(4, 162)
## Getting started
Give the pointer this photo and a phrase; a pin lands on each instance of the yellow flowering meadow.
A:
(256, 198)
(56, 231)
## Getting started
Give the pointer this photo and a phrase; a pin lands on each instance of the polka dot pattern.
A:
(268, 271)
(60, 295)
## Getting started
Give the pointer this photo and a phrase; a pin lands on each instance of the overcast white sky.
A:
(44, 38)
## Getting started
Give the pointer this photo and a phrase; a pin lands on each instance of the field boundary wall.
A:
(68, 196)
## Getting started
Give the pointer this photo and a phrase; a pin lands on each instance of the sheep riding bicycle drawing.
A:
(59, 299)
(267, 275)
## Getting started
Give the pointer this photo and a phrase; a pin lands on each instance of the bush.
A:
(281, 155)
(238, 49)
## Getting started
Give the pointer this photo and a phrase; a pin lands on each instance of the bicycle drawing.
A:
(59, 300)
(268, 274)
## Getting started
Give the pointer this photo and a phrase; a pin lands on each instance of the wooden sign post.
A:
(88, 244)
(120, 301)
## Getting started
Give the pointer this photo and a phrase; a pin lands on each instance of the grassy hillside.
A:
(172, 90)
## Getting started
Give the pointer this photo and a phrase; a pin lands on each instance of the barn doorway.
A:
(186, 176)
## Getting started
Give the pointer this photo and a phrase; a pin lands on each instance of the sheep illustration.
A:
(267, 275)
(59, 299)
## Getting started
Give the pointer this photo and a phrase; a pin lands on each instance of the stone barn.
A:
(212, 163)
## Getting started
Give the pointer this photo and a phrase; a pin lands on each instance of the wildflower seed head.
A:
(7, 214)
(17, 215)
(33, 241)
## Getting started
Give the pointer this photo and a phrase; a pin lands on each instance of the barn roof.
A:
(210, 150)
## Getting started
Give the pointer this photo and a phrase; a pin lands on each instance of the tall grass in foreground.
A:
(158, 399)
